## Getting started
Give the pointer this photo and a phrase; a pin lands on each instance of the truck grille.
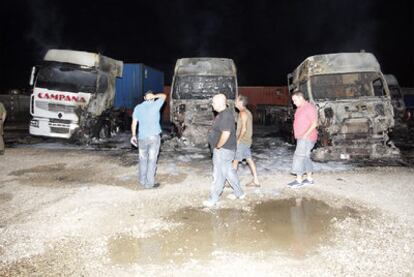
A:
(59, 130)
(51, 107)
(60, 108)
(63, 121)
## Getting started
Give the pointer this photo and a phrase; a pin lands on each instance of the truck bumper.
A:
(372, 152)
(44, 127)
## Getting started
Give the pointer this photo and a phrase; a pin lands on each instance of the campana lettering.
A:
(62, 97)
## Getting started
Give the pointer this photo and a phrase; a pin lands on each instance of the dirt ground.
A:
(71, 212)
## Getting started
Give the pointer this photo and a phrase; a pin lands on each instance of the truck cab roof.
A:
(337, 63)
(205, 66)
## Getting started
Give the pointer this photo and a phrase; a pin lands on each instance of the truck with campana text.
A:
(73, 95)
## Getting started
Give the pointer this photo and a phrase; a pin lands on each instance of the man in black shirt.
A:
(222, 141)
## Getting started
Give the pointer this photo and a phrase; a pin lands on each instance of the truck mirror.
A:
(31, 82)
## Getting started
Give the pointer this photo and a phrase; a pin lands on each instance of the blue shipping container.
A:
(136, 80)
(409, 101)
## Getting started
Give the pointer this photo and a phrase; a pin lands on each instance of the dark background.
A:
(266, 39)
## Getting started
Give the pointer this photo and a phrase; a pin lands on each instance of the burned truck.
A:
(195, 82)
(73, 95)
(397, 100)
(354, 105)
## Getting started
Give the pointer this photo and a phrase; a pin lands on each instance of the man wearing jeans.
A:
(3, 114)
(222, 141)
(148, 115)
(304, 129)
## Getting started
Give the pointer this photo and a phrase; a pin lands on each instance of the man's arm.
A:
(243, 127)
(134, 128)
(159, 99)
(151, 96)
(223, 139)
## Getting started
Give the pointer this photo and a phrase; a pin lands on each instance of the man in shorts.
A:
(244, 135)
(304, 129)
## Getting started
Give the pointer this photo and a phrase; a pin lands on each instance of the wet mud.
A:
(293, 227)
(5, 197)
(171, 179)
(62, 175)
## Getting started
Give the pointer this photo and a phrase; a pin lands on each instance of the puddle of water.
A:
(294, 227)
(39, 169)
(5, 197)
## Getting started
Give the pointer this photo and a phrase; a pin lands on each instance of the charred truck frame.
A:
(353, 102)
(195, 82)
(73, 95)
(397, 100)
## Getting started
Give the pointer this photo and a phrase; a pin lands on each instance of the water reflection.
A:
(294, 227)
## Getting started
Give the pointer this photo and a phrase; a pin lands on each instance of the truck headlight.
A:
(34, 123)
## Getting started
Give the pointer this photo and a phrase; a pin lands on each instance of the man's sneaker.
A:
(208, 203)
(253, 184)
(156, 185)
(231, 196)
(295, 184)
(308, 182)
(234, 197)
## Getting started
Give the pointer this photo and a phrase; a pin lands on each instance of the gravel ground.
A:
(60, 209)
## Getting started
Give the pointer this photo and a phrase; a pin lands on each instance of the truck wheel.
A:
(104, 132)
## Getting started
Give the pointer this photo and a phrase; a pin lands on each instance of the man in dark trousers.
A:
(222, 141)
(3, 115)
(148, 115)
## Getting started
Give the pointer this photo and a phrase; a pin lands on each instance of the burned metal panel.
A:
(17, 105)
(335, 63)
(193, 119)
(396, 100)
(195, 87)
(205, 67)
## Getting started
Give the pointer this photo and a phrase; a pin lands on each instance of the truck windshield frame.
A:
(346, 85)
(67, 78)
(203, 87)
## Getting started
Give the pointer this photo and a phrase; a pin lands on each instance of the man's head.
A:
(241, 102)
(219, 102)
(149, 95)
(298, 98)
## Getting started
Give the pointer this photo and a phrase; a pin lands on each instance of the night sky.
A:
(266, 39)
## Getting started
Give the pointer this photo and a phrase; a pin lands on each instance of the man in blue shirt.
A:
(148, 115)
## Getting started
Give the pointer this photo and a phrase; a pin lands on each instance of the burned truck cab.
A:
(195, 82)
(354, 105)
(397, 100)
(73, 94)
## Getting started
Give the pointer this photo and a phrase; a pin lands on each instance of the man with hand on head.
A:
(147, 114)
